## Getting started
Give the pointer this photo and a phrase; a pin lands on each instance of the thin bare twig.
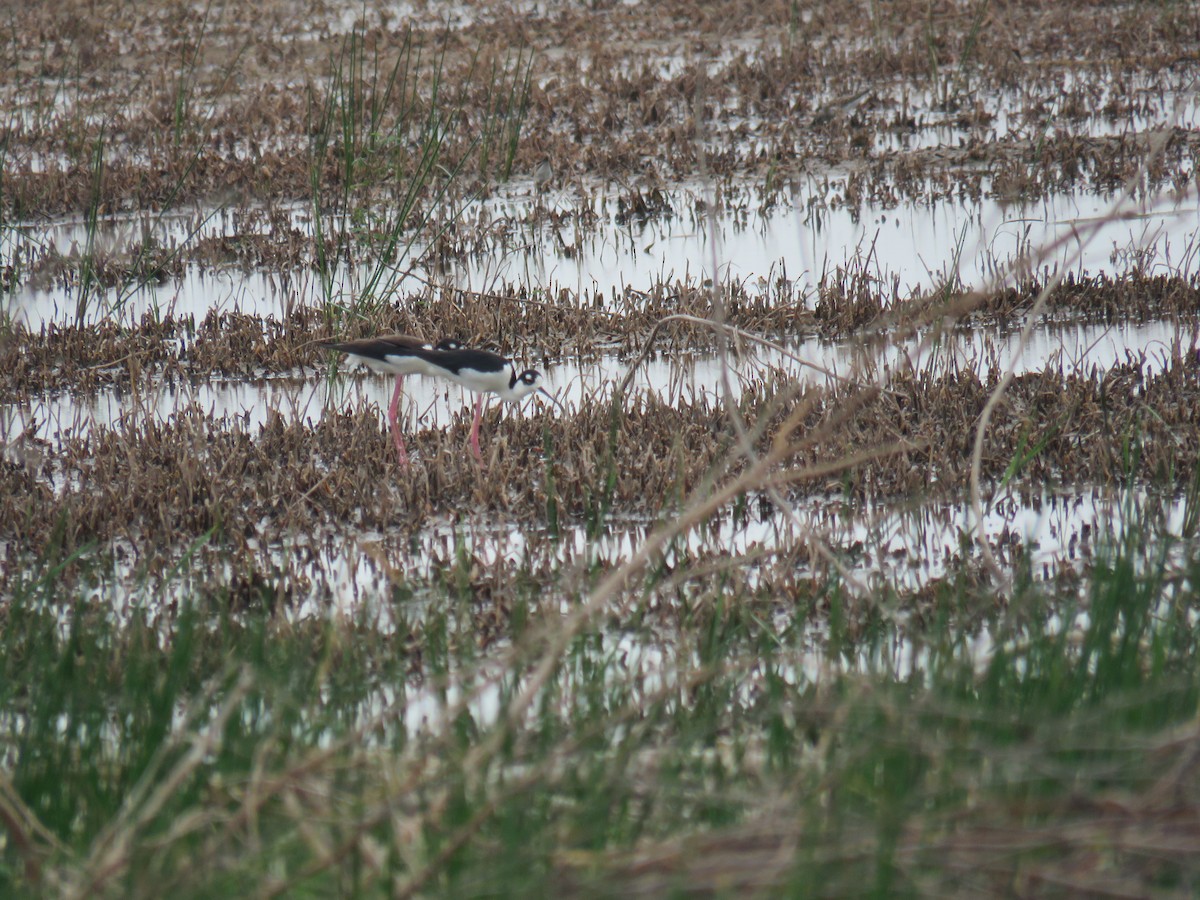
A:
(1156, 149)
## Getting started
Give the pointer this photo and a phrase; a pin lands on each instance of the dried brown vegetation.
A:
(218, 637)
(147, 482)
(1121, 843)
(847, 304)
(793, 90)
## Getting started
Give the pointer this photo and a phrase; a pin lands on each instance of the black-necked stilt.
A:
(485, 373)
(399, 355)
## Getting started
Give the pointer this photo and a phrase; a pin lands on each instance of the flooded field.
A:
(854, 551)
(560, 252)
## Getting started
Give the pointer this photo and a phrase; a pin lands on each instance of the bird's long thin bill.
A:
(553, 399)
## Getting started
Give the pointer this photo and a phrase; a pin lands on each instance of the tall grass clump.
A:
(88, 282)
(390, 144)
(507, 102)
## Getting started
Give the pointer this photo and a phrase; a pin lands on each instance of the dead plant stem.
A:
(1157, 147)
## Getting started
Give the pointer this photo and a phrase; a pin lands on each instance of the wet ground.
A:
(858, 550)
(880, 233)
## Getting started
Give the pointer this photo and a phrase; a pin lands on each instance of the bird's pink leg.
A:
(392, 416)
(475, 430)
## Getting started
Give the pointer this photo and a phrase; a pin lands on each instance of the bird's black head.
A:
(522, 385)
(526, 383)
(448, 344)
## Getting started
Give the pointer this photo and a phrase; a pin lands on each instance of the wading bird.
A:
(399, 355)
(484, 373)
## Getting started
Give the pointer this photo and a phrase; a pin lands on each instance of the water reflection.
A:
(309, 396)
(594, 257)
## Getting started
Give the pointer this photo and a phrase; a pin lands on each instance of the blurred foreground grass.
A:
(1041, 742)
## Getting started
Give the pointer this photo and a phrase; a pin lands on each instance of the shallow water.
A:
(433, 404)
(1076, 105)
(575, 238)
(884, 546)
(917, 245)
